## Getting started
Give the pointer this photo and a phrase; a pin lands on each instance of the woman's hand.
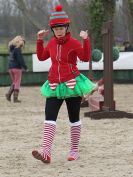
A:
(84, 34)
(42, 33)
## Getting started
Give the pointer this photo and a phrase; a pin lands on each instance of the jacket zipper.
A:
(58, 58)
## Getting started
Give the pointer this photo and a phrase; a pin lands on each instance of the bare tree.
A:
(123, 21)
(6, 10)
(26, 17)
(22, 6)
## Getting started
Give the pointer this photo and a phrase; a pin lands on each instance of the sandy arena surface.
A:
(106, 146)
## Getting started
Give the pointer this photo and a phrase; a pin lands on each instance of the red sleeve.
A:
(84, 52)
(42, 52)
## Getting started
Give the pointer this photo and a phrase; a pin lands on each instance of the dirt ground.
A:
(106, 146)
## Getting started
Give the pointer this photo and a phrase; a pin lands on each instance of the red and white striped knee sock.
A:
(48, 137)
(75, 137)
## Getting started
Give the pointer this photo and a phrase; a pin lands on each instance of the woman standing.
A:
(65, 82)
(16, 66)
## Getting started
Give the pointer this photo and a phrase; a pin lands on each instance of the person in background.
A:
(15, 67)
(65, 82)
(127, 46)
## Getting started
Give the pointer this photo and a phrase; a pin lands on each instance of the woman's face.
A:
(21, 42)
(60, 31)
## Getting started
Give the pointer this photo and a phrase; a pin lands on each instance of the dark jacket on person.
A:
(16, 59)
(129, 48)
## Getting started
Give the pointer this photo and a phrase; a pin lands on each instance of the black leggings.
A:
(53, 105)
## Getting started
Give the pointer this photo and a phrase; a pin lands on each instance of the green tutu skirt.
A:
(83, 87)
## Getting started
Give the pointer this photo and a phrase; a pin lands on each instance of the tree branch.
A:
(22, 7)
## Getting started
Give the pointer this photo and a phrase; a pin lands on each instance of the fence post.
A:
(107, 34)
(108, 107)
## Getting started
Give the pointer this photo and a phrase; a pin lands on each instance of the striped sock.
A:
(49, 133)
(75, 137)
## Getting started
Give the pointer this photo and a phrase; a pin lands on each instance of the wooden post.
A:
(108, 67)
(90, 75)
(107, 109)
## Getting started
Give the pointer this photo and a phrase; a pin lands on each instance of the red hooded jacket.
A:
(63, 53)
